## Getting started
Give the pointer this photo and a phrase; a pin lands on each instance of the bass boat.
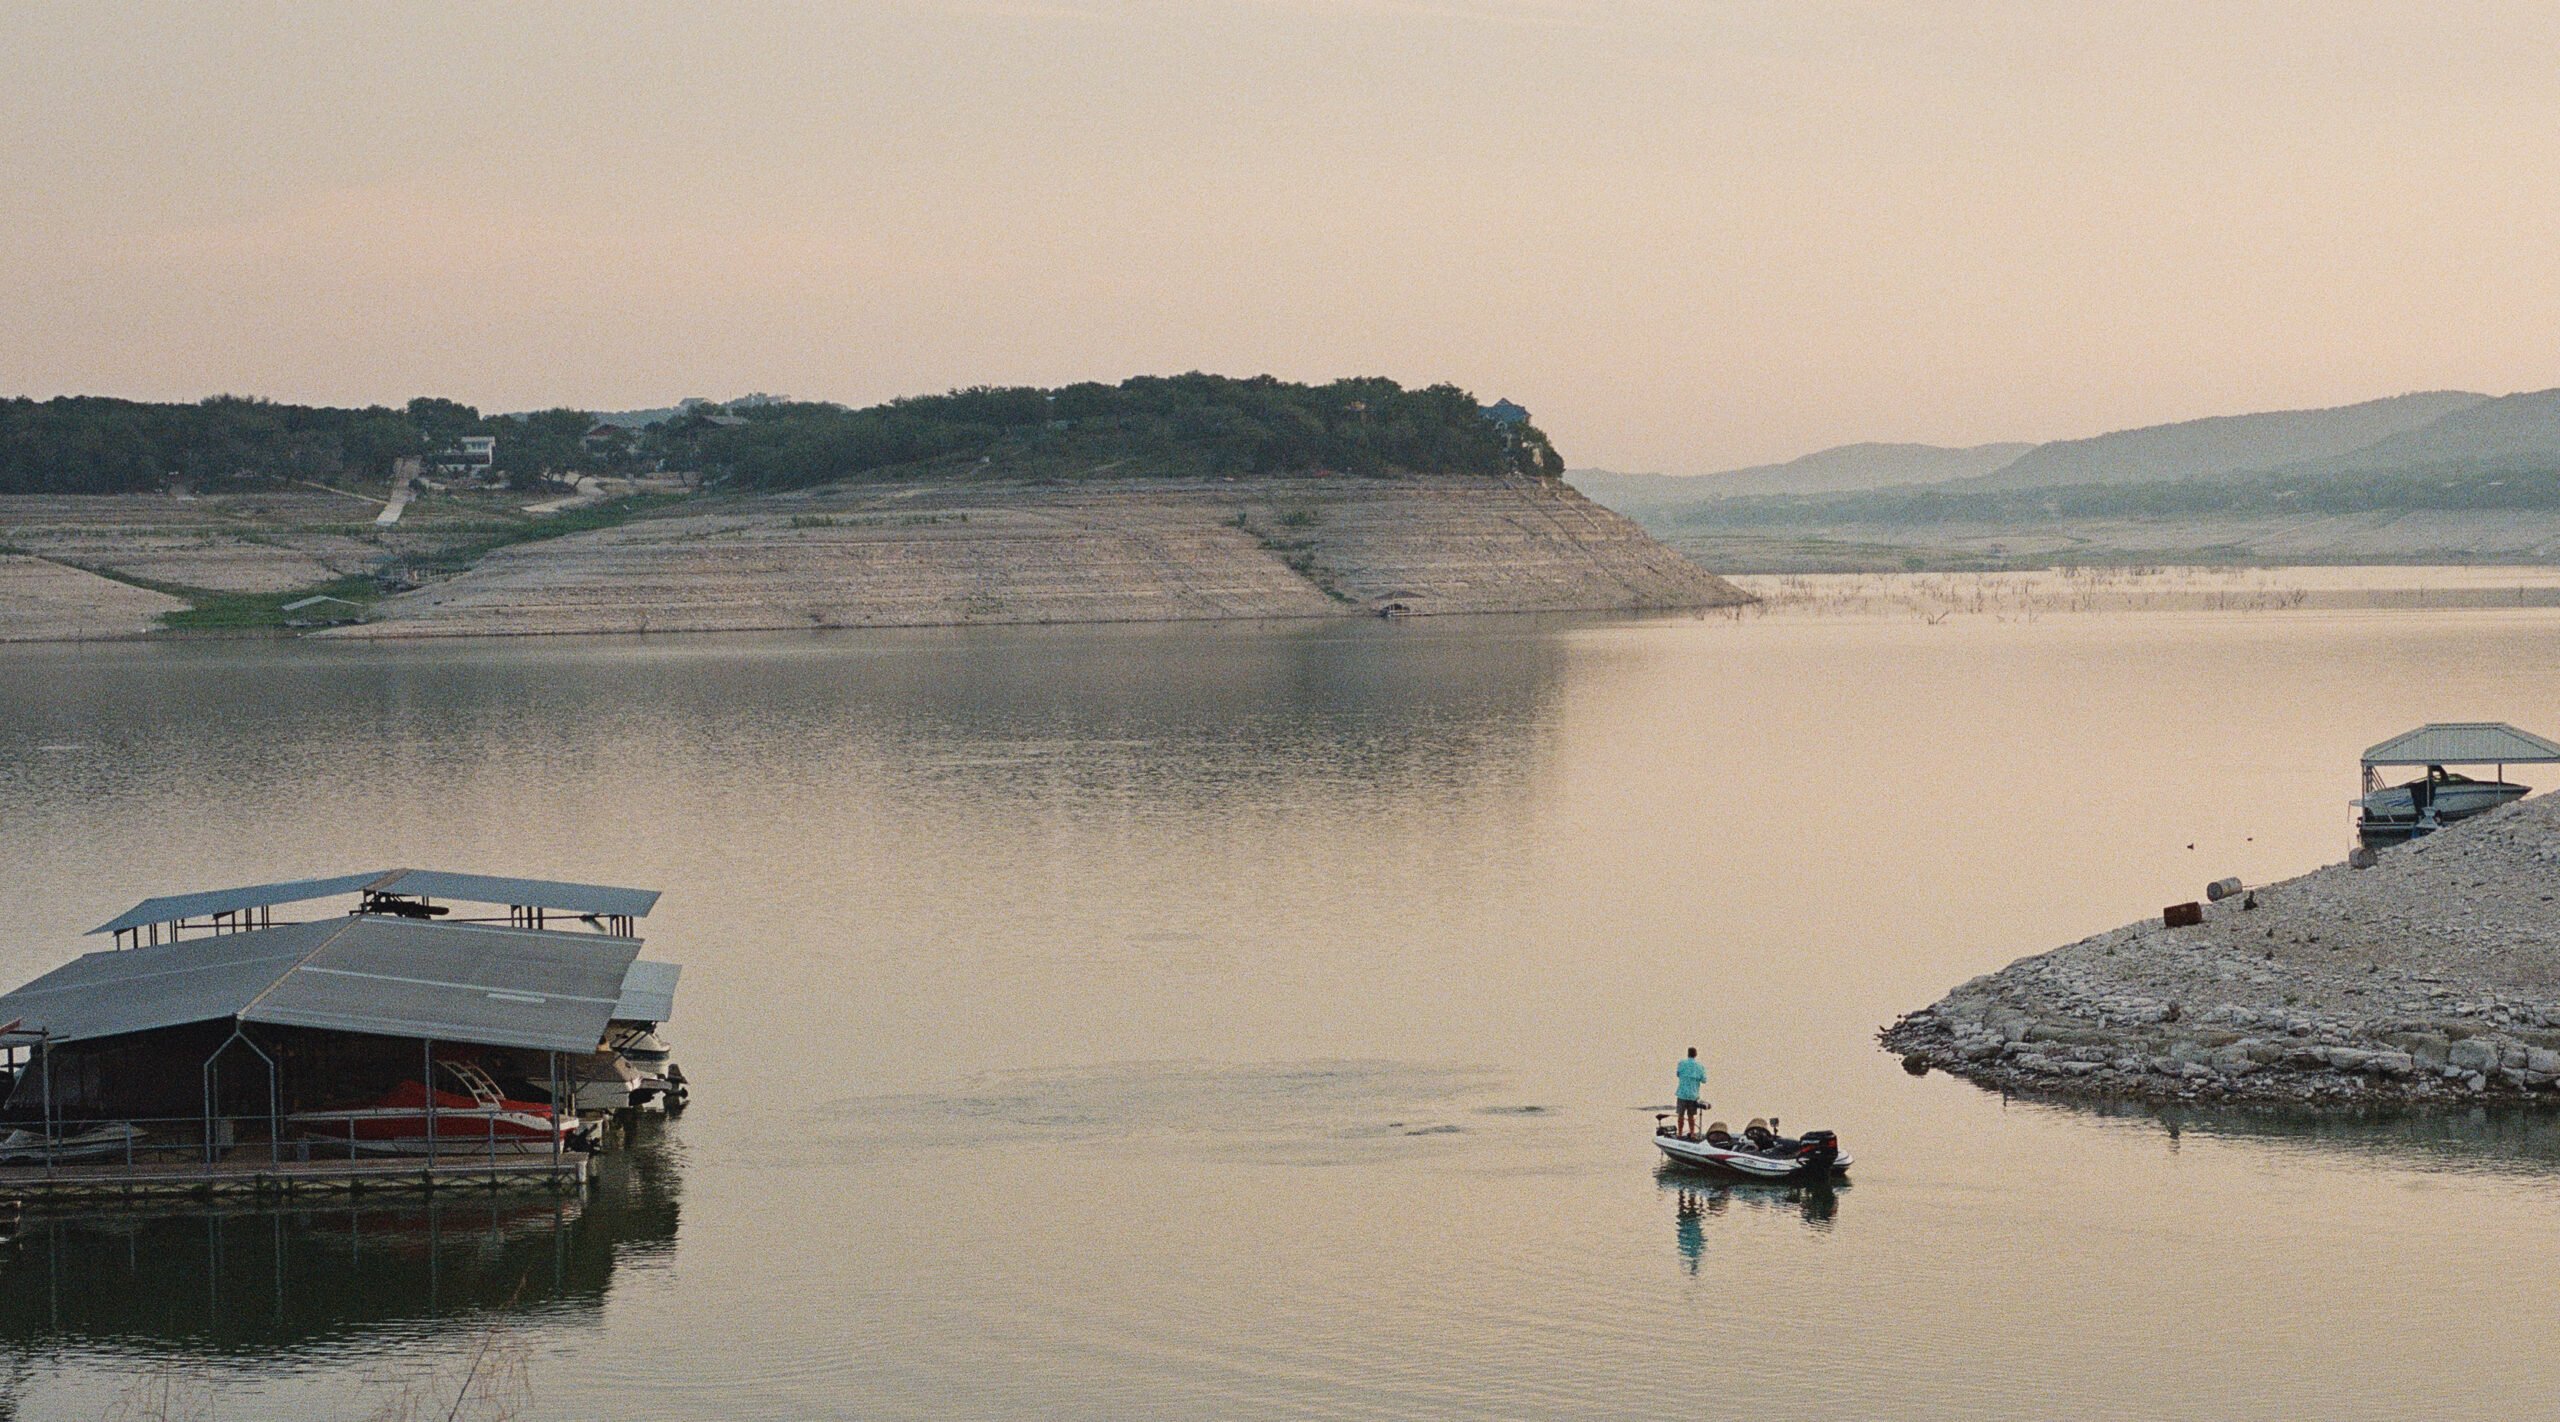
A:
(1759, 1153)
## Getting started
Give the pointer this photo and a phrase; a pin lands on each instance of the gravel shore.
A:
(2433, 976)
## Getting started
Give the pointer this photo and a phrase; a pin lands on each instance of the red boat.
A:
(477, 1120)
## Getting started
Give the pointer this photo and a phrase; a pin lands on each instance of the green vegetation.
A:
(1176, 425)
(455, 556)
(86, 444)
(2483, 485)
(1196, 425)
(240, 612)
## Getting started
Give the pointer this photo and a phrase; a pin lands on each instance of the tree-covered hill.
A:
(1153, 425)
(1174, 425)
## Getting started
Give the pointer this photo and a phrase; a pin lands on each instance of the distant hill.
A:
(1841, 469)
(2228, 445)
(2511, 434)
(642, 419)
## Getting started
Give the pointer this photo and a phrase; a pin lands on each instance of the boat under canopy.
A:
(2394, 814)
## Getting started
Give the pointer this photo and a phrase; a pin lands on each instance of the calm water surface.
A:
(1191, 1022)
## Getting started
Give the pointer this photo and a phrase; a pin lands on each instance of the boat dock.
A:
(112, 1181)
(394, 1045)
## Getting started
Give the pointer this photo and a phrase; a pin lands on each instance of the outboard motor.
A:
(1815, 1154)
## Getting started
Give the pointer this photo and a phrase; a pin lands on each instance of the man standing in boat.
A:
(1693, 1077)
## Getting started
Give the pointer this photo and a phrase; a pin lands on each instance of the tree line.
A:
(1173, 425)
(1152, 425)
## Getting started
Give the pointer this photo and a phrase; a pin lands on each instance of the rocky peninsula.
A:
(2432, 976)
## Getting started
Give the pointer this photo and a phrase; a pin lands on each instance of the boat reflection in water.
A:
(1699, 1197)
(212, 1281)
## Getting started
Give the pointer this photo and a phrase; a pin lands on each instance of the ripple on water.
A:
(1314, 1112)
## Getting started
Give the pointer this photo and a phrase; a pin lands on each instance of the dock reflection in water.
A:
(235, 1281)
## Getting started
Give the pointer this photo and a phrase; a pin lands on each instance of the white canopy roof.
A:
(2464, 743)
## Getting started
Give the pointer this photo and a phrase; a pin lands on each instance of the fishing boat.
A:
(479, 1119)
(1759, 1153)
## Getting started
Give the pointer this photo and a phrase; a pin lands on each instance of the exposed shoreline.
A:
(2511, 537)
(2426, 979)
(922, 553)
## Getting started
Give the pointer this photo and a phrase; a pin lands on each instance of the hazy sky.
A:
(1686, 235)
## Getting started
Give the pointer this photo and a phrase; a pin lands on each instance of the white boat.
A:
(659, 1080)
(22, 1147)
(603, 1081)
(2445, 794)
(1759, 1153)
(640, 1045)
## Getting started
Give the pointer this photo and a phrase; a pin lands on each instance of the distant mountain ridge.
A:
(2450, 432)
(2227, 445)
(1840, 469)
(2514, 433)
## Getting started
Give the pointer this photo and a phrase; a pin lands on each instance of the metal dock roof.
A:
(648, 992)
(453, 982)
(531, 893)
(2464, 743)
(604, 899)
(168, 908)
(109, 993)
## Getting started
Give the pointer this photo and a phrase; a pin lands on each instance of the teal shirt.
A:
(1692, 1076)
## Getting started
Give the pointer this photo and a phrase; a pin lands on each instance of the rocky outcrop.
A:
(2432, 976)
(953, 552)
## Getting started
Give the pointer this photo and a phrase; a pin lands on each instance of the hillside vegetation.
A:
(1185, 425)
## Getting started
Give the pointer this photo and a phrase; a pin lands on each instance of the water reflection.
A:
(993, 709)
(2508, 1140)
(1699, 1197)
(217, 1281)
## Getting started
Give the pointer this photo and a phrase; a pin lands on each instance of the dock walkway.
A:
(145, 1180)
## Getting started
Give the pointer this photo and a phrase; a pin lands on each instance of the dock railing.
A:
(232, 1145)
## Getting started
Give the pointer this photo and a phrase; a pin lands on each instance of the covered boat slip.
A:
(2390, 814)
(300, 1054)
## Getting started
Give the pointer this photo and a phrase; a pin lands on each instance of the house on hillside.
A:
(469, 454)
(1504, 414)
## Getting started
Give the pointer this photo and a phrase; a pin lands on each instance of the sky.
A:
(1687, 235)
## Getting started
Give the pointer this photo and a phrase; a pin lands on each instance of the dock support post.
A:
(45, 1044)
(428, 1047)
(555, 1114)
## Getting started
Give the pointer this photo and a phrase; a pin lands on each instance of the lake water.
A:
(1268, 1021)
